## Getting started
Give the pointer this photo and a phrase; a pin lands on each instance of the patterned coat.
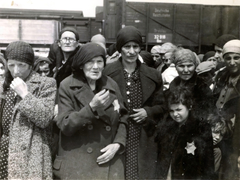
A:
(30, 131)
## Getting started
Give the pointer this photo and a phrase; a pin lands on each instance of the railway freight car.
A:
(190, 25)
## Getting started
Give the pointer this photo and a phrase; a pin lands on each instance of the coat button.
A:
(108, 128)
(90, 127)
(89, 150)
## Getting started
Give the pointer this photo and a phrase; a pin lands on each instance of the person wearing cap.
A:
(186, 62)
(227, 94)
(141, 88)
(147, 58)
(218, 47)
(155, 52)
(61, 53)
(27, 110)
(206, 71)
(92, 120)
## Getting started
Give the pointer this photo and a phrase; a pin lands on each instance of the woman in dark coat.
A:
(141, 88)
(186, 63)
(92, 120)
(185, 147)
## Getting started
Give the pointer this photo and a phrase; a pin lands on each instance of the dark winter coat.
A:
(151, 82)
(172, 150)
(84, 133)
(202, 94)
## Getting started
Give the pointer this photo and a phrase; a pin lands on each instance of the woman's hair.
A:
(180, 95)
(219, 124)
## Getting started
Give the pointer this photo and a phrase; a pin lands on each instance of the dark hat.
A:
(147, 58)
(127, 34)
(208, 55)
(20, 51)
(71, 29)
(220, 41)
(86, 53)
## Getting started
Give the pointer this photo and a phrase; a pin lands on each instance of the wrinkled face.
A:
(218, 53)
(130, 52)
(156, 56)
(233, 63)
(167, 58)
(185, 70)
(2, 70)
(19, 69)
(93, 69)
(44, 69)
(68, 42)
(179, 112)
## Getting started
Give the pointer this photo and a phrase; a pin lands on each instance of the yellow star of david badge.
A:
(190, 148)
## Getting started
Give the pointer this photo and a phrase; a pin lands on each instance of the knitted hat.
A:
(20, 51)
(71, 29)
(232, 46)
(182, 55)
(156, 49)
(208, 55)
(205, 67)
(127, 34)
(85, 54)
(220, 41)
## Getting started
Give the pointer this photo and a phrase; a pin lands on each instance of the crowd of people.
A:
(88, 111)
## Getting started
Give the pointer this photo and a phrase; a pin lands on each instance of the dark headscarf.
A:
(220, 41)
(71, 29)
(208, 55)
(127, 34)
(85, 54)
(147, 58)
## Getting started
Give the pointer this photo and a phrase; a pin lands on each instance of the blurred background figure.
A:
(155, 51)
(206, 71)
(2, 72)
(210, 56)
(42, 66)
(99, 39)
(147, 58)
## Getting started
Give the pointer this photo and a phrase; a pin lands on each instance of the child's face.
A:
(216, 134)
(179, 112)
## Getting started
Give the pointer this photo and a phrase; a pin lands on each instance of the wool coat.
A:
(30, 130)
(152, 91)
(84, 132)
(230, 109)
(174, 151)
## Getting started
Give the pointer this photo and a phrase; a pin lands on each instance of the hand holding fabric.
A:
(108, 153)
(100, 99)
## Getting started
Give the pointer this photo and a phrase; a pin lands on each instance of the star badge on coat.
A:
(116, 105)
(190, 148)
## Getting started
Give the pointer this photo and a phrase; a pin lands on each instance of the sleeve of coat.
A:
(157, 108)
(69, 119)
(40, 109)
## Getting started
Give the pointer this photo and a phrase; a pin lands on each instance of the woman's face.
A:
(2, 70)
(19, 69)
(130, 52)
(179, 112)
(93, 69)
(185, 70)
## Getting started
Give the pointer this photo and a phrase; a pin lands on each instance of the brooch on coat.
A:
(116, 105)
(190, 148)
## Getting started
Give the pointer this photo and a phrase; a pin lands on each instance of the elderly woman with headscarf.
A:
(92, 121)
(141, 87)
(26, 114)
(186, 62)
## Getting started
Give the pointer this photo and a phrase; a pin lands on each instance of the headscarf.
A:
(156, 49)
(20, 51)
(71, 29)
(208, 55)
(127, 34)
(147, 58)
(85, 54)
(232, 46)
(182, 55)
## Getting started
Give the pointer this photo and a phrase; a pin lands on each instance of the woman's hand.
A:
(100, 99)
(20, 87)
(139, 116)
(108, 153)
